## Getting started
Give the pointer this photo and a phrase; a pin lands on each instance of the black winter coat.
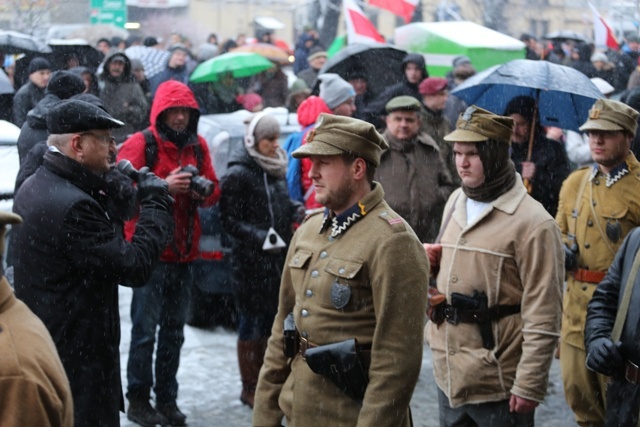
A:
(245, 208)
(34, 129)
(68, 260)
(25, 99)
(552, 168)
(623, 398)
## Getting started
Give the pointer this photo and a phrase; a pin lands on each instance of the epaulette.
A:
(312, 213)
(394, 221)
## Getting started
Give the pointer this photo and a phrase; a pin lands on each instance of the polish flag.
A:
(603, 35)
(359, 28)
(402, 8)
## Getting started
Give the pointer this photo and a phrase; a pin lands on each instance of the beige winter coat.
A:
(386, 269)
(513, 252)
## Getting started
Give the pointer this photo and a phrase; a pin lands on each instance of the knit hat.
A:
(336, 135)
(432, 85)
(37, 64)
(299, 86)
(266, 127)
(609, 115)
(65, 84)
(73, 116)
(334, 90)
(249, 101)
(178, 46)
(316, 52)
(461, 60)
(477, 124)
(599, 56)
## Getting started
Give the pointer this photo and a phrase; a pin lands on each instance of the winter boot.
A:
(250, 355)
(172, 413)
(141, 412)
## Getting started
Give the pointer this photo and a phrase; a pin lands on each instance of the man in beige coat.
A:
(500, 264)
(356, 271)
(34, 390)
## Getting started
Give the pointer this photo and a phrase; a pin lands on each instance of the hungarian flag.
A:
(359, 28)
(402, 8)
(603, 35)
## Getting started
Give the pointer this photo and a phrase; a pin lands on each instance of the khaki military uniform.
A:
(378, 257)
(499, 253)
(611, 202)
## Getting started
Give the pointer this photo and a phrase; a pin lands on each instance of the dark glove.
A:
(570, 258)
(604, 357)
(123, 200)
(153, 191)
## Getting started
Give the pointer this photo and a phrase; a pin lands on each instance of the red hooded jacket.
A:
(308, 113)
(175, 94)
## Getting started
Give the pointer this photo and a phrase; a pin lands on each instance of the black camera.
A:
(199, 184)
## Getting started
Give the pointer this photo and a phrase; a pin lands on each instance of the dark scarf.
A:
(179, 138)
(499, 172)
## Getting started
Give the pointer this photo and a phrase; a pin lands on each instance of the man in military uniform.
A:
(598, 207)
(499, 287)
(356, 271)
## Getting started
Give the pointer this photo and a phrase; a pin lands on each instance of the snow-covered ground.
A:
(210, 382)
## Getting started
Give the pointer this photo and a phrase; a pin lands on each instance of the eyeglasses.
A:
(106, 139)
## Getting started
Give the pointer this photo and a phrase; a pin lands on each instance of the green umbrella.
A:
(239, 64)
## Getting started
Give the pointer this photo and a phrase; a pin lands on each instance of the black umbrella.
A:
(381, 64)
(565, 35)
(13, 42)
(65, 49)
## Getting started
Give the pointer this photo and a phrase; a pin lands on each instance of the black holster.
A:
(475, 309)
(290, 338)
(344, 363)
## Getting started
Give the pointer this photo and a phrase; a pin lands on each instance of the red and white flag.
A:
(402, 8)
(359, 28)
(603, 35)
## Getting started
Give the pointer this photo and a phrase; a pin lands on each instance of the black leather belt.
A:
(455, 315)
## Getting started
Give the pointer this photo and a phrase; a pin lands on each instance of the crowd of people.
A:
(378, 210)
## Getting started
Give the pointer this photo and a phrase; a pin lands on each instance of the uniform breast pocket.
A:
(298, 266)
(349, 289)
(617, 223)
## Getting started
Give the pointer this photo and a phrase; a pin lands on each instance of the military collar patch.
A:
(341, 223)
(616, 174)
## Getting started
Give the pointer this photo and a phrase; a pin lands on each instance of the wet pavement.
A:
(210, 382)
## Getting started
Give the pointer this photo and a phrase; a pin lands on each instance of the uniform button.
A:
(584, 287)
(309, 293)
(587, 246)
(454, 279)
(295, 261)
(330, 238)
(315, 274)
(462, 241)
(589, 223)
(594, 203)
(341, 271)
(452, 352)
(596, 182)
(323, 255)
(304, 313)
(303, 334)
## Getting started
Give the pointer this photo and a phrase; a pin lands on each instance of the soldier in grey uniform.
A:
(355, 278)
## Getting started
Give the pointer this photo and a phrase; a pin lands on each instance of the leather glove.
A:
(153, 191)
(604, 356)
(570, 258)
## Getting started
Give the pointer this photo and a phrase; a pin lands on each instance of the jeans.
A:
(161, 302)
(253, 326)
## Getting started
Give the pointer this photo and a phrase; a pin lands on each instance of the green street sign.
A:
(104, 16)
(108, 4)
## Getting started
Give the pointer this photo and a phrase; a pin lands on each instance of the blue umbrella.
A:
(564, 95)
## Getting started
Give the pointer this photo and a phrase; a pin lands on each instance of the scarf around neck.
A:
(499, 172)
(274, 166)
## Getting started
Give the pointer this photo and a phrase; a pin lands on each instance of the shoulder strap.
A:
(576, 208)
(197, 151)
(150, 148)
(446, 220)
(621, 317)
